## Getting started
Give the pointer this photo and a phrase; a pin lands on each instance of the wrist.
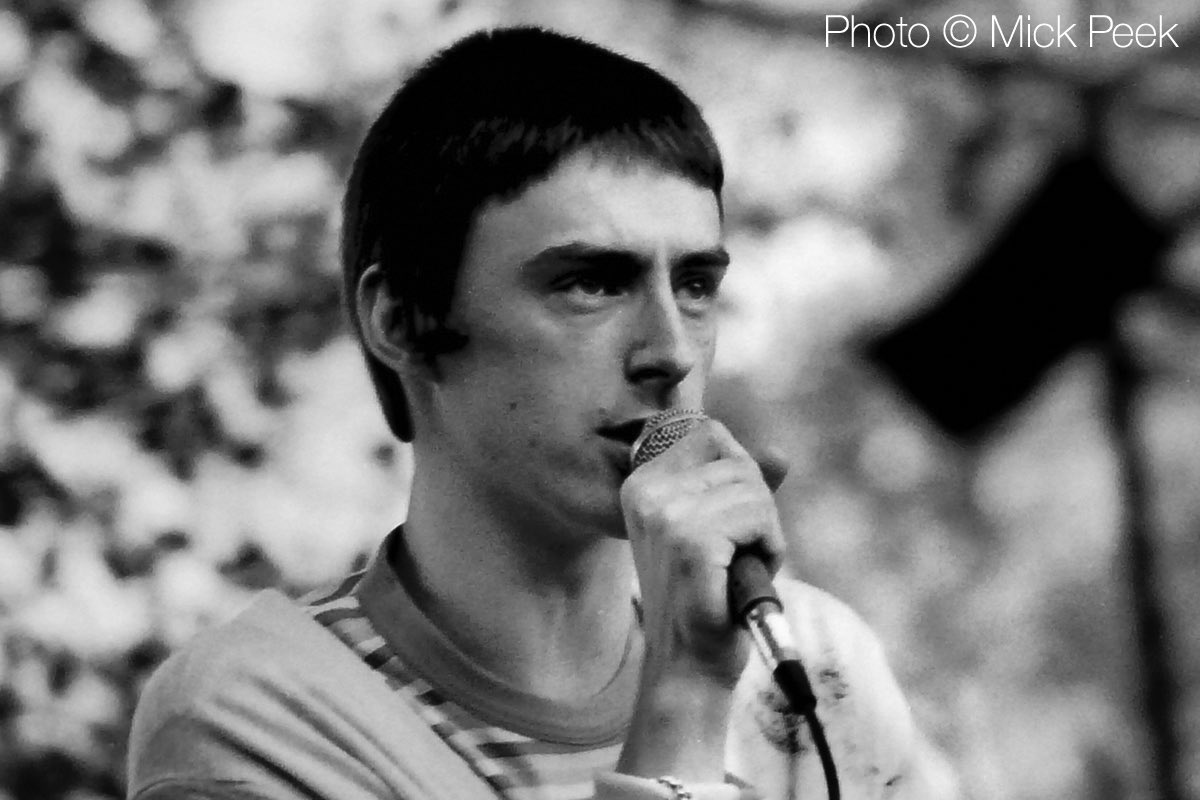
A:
(679, 728)
(715, 668)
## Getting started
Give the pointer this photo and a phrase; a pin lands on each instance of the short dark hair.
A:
(481, 120)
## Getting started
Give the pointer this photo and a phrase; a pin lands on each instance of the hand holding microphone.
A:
(694, 500)
(756, 544)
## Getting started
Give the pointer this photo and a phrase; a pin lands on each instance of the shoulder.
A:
(272, 706)
(862, 708)
(252, 649)
(265, 681)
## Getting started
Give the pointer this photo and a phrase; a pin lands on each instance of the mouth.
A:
(626, 433)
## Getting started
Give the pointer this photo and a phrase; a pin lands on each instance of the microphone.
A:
(753, 601)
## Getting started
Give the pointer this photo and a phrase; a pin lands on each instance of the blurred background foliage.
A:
(184, 418)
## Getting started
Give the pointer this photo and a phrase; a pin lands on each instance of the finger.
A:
(732, 517)
(703, 478)
(652, 496)
(754, 422)
(722, 440)
(772, 462)
(757, 527)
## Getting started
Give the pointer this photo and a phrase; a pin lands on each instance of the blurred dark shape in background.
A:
(1054, 282)
(1051, 282)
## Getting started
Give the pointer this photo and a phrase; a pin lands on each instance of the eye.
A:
(594, 283)
(697, 289)
(589, 284)
(699, 286)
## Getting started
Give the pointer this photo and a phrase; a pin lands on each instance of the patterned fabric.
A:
(517, 766)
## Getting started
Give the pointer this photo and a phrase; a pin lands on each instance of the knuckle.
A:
(641, 491)
(749, 475)
(719, 429)
(633, 492)
(673, 516)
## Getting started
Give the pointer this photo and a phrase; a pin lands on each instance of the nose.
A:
(665, 346)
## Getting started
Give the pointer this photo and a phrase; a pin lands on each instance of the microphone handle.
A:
(749, 583)
(755, 604)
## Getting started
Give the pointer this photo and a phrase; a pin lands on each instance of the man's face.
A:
(589, 301)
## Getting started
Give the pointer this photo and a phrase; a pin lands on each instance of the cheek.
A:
(539, 371)
(704, 341)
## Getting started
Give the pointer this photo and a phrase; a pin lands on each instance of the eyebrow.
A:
(583, 252)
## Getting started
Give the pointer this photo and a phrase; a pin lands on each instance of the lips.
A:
(626, 432)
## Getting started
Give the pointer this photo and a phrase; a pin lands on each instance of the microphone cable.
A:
(754, 602)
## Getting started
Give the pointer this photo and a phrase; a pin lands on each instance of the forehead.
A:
(589, 199)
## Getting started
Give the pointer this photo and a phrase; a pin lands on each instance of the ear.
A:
(381, 318)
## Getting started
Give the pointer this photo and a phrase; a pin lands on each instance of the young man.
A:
(532, 251)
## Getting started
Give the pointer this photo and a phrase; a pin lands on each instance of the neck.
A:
(547, 613)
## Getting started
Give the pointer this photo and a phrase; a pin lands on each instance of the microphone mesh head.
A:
(661, 431)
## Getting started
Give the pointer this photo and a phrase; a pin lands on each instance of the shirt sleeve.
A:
(201, 790)
(619, 786)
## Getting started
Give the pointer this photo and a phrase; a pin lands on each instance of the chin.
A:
(604, 517)
(588, 503)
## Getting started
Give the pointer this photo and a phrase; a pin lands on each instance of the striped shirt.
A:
(359, 695)
(524, 747)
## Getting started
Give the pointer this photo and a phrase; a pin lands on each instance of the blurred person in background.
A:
(533, 252)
